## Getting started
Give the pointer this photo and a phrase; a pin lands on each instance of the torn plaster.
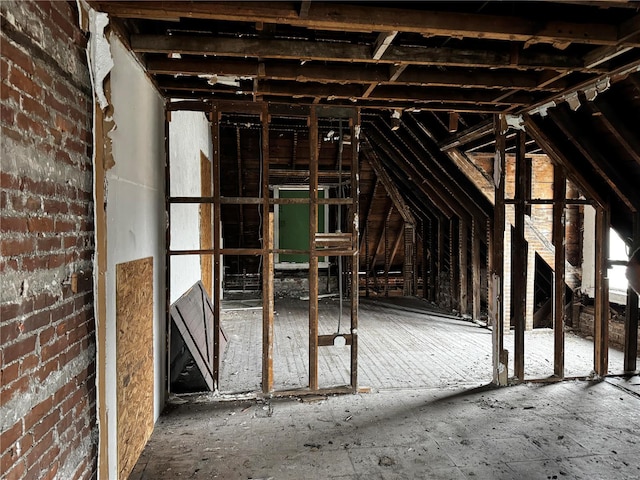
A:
(572, 100)
(515, 121)
(100, 55)
(542, 109)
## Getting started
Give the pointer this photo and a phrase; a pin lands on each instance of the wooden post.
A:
(476, 280)
(217, 219)
(313, 258)
(408, 266)
(631, 318)
(426, 256)
(559, 209)
(500, 356)
(519, 257)
(440, 261)
(463, 258)
(355, 188)
(454, 272)
(601, 301)
(267, 263)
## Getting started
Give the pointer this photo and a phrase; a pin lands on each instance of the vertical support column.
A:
(313, 258)
(631, 318)
(519, 256)
(559, 301)
(267, 262)
(440, 261)
(167, 271)
(407, 267)
(463, 260)
(500, 356)
(454, 272)
(475, 270)
(217, 219)
(355, 188)
(601, 294)
(386, 255)
(367, 262)
(426, 256)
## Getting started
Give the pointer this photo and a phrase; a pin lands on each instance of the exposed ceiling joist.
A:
(361, 18)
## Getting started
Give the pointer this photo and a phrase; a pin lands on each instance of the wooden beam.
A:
(454, 264)
(217, 257)
(313, 259)
(585, 145)
(601, 294)
(632, 312)
(558, 157)
(382, 43)
(618, 127)
(381, 237)
(354, 124)
(304, 8)
(476, 278)
(357, 18)
(389, 185)
(496, 299)
(463, 258)
(520, 255)
(408, 266)
(559, 216)
(346, 52)
(467, 136)
(365, 218)
(267, 261)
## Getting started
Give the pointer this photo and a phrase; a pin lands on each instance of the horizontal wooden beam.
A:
(347, 52)
(365, 18)
(348, 73)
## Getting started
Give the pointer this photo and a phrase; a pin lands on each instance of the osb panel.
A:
(206, 213)
(134, 352)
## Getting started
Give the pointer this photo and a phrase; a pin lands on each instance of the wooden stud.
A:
(476, 280)
(454, 267)
(267, 262)
(440, 252)
(463, 258)
(601, 288)
(313, 259)
(500, 363)
(217, 225)
(559, 216)
(631, 318)
(408, 266)
(355, 258)
(519, 257)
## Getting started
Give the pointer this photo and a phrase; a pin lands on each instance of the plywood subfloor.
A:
(402, 345)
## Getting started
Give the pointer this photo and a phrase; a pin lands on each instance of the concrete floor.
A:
(429, 415)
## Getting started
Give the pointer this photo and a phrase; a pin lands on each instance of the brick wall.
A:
(47, 397)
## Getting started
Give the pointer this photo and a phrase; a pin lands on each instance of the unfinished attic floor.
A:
(429, 415)
(573, 429)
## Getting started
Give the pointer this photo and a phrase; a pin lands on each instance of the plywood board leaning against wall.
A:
(134, 349)
(206, 217)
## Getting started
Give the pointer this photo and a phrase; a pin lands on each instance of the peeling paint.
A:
(515, 121)
(572, 100)
(100, 55)
(542, 109)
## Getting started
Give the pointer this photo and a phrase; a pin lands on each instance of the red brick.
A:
(25, 123)
(75, 146)
(35, 108)
(64, 225)
(19, 349)
(8, 181)
(38, 450)
(13, 224)
(11, 435)
(17, 472)
(46, 335)
(63, 90)
(7, 92)
(52, 102)
(40, 224)
(45, 425)
(39, 188)
(45, 370)
(28, 363)
(17, 57)
(17, 387)
(45, 244)
(10, 331)
(43, 75)
(9, 374)
(7, 265)
(24, 83)
(37, 413)
(14, 247)
(63, 157)
(53, 350)
(7, 114)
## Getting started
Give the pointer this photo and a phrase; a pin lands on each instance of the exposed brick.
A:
(9, 374)
(7, 114)
(18, 57)
(13, 224)
(40, 224)
(24, 83)
(11, 353)
(37, 413)
(17, 472)
(10, 331)
(8, 181)
(45, 244)
(38, 450)
(11, 435)
(18, 246)
(28, 363)
(15, 388)
(35, 108)
(45, 425)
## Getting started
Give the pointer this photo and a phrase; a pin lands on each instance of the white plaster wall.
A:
(189, 134)
(135, 213)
